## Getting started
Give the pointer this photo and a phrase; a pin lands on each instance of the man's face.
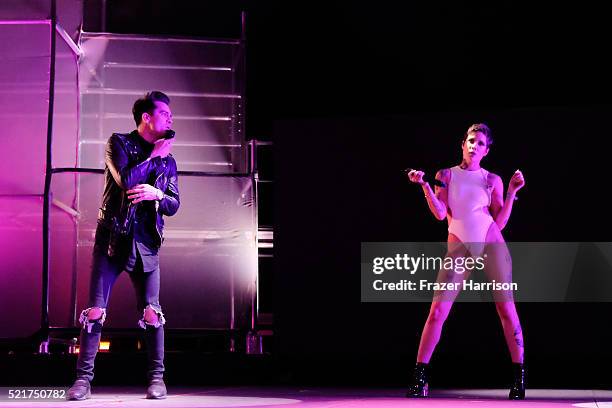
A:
(160, 120)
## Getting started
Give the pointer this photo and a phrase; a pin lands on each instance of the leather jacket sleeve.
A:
(169, 205)
(117, 160)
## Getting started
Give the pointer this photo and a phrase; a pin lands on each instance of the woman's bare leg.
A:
(512, 330)
(498, 266)
(439, 310)
(433, 329)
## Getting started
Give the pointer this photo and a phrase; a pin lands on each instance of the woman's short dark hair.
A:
(480, 127)
(147, 104)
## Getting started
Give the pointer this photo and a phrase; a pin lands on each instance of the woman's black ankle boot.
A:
(420, 381)
(517, 391)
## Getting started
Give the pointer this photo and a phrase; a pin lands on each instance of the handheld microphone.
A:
(435, 182)
(169, 134)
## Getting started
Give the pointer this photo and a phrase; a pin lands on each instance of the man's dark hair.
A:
(147, 104)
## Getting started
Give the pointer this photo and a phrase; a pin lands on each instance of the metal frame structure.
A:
(251, 165)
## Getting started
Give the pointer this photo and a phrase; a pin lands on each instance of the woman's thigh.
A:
(498, 263)
(452, 277)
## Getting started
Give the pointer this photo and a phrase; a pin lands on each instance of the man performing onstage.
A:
(140, 188)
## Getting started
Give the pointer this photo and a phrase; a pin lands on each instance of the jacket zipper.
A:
(157, 210)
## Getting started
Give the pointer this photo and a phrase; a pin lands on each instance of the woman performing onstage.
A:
(472, 201)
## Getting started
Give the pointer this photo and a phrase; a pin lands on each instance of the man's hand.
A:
(162, 148)
(144, 192)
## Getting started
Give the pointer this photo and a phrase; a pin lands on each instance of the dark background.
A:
(353, 92)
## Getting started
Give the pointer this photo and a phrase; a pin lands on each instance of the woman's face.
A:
(475, 147)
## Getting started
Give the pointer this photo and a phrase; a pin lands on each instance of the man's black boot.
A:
(154, 337)
(88, 348)
(80, 390)
(156, 389)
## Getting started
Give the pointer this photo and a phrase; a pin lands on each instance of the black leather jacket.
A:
(127, 165)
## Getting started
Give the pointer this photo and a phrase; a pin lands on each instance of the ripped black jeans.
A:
(105, 271)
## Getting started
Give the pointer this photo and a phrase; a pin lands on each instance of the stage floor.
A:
(327, 397)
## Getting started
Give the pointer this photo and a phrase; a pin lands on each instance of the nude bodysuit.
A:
(469, 197)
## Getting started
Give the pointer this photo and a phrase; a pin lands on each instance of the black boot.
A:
(80, 390)
(156, 389)
(88, 348)
(420, 381)
(154, 337)
(517, 391)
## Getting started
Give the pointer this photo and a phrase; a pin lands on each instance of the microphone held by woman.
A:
(435, 182)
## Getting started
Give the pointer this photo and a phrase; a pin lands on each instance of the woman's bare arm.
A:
(437, 200)
(502, 208)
